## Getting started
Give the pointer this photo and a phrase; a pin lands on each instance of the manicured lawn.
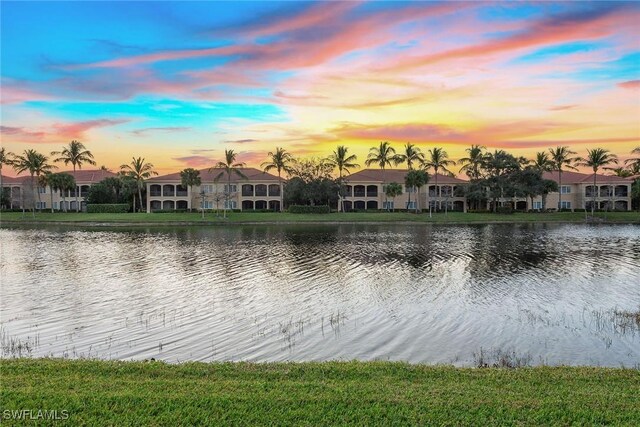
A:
(330, 393)
(241, 217)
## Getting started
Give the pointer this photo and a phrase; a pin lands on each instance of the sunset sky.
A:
(177, 83)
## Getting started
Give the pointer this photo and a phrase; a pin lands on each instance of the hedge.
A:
(108, 208)
(304, 209)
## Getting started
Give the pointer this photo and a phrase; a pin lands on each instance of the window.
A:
(230, 188)
(565, 189)
(55, 205)
(41, 205)
(230, 204)
(208, 204)
(537, 205)
(565, 205)
(411, 205)
(409, 190)
(207, 188)
(387, 205)
(42, 190)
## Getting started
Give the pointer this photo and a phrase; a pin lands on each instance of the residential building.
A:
(364, 190)
(23, 193)
(258, 190)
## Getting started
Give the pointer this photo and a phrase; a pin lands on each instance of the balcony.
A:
(181, 191)
(261, 190)
(247, 191)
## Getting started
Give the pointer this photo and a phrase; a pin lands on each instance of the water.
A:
(422, 294)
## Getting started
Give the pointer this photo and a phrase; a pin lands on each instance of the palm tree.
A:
(472, 164)
(621, 172)
(47, 180)
(416, 179)
(596, 158)
(561, 158)
(5, 159)
(438, 160)
(190, 177)
(634, 162)
(393, 190)
(384, 155)
(229, 166)
(280, 160)
(35, 163)
(76, 154)
(139, 170)
(343, 162)
(410, 155)
(542, 162)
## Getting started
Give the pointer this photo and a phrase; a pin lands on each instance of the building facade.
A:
(255, 190)
(27, 195)
(365, 190)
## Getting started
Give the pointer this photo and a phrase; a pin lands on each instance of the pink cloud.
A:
(77, 130)
(56, 132)
(631, 84)
(194, 161)
(144, 131)
(22, 134)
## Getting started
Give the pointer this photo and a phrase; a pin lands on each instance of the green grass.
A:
(329, 393)
(258, 217)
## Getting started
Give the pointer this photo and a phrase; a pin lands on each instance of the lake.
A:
(539, 293)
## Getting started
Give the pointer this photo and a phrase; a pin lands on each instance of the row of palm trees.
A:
(384, 156)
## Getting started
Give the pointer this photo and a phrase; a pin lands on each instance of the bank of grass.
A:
(284, 217)
(329, 393)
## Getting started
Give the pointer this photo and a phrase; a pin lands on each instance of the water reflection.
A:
(431, 294)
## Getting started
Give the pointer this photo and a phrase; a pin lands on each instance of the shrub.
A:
(108, 208)
(304, 209)
(504, 210)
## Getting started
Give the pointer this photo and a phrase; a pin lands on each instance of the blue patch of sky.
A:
(604, 73)
(167, 112)
(546, 53)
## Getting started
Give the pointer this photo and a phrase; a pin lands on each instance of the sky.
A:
(179, 82)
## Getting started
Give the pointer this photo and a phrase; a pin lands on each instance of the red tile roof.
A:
(81, 176)
(396, 175)
(209, 175)
(569, 177)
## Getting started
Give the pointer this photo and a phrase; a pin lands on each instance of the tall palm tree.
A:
(139, 170)
(561, 158)
(47, 179)
(280, 160)
(472, 164)
(384, 155)
(188, 178)
(229, 166)
(411, 155)
(438, 160)
(35, 163)
(76, 154)
(6, 158)
(343, 162)
(596, 159)
(542, 162)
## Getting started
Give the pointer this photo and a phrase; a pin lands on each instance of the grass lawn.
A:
(329, 393)
(275, 217)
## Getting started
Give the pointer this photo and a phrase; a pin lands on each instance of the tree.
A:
(634, 162)
(76, 154)
(596, 159)
(411, 154)
(229, 167)
(280, 160)
(542, 162)
(47, 180)
(190, 177)
(416, 179)
(384, 155)
(498, 167)
(139, 171)
(393, 190)
(343, 162)
(621, 172)
(35, 163)
(62, 182)
(6, 158)
(472, 165)
(438, 160)
(561, 158)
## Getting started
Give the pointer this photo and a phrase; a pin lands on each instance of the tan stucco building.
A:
(23, 193)
(257, 190)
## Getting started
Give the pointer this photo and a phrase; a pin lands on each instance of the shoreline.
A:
(98, 392)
